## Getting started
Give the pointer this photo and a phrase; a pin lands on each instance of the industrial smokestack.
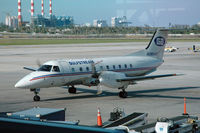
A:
(32, 8)
(19, 13)
(42, 7)
(50, 7)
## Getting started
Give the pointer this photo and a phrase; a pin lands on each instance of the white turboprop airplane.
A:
(114, 72)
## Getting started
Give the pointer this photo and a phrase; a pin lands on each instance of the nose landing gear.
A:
(36, 92)
(36, 98)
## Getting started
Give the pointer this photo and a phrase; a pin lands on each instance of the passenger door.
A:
(66, 71)
(57, 76)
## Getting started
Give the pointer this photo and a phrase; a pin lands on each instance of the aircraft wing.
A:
(138, 78)
(30, 69)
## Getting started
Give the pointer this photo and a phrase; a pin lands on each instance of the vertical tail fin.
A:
(157, 44)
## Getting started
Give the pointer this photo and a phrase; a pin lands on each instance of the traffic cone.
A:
(185, 112)
(99, 120)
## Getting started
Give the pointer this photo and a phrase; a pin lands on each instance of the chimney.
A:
(19, 13)
(50, 7)
(32, 8)
(42, 7)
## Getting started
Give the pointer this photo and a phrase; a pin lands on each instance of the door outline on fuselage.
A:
(57, 78)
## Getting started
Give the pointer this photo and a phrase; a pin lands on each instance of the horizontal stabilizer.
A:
(138, 78)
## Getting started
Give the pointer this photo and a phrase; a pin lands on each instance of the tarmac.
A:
(159, 98)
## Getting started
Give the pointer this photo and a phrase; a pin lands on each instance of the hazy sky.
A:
(139, 12)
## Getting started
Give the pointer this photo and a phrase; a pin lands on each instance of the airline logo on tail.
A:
(159, 41)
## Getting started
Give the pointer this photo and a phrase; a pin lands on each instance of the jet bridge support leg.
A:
(36, 92)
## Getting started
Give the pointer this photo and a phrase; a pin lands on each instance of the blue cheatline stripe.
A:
(90, 72)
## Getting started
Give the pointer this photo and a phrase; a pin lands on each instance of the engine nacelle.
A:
(91, 82)
(108, 78)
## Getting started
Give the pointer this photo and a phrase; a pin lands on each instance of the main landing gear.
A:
(36, 92)
(72, 90)
(123, 94)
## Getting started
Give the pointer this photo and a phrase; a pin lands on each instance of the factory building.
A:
(53, 21)
(119, 22)
(41, 19)
(198, 24)
(100, 23)
(11, 21)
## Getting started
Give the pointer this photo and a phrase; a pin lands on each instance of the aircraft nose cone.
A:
(17, 85)
(20, 84)
(24, 82)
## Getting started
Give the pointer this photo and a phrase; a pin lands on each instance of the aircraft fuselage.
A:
(81, 69)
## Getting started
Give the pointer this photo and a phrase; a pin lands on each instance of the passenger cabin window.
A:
(113, 66)
(73, 70)
(46, 68)
(81, 69)
(87, 69)
(131, 65)
(125, 65)
(56, 69)
(107, 67)
(120, 67)
(101, 68)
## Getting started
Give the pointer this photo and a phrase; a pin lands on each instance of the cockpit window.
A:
(56, 69)
(46, 68)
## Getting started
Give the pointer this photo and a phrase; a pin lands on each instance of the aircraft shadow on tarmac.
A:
(131, 94)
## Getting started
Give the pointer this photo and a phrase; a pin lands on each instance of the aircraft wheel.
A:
(36, 98)
(72, 90)
(123, 94)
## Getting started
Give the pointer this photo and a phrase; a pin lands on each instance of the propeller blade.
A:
(94, 71)
(93, 68)
(38, 63)
(99, 89)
